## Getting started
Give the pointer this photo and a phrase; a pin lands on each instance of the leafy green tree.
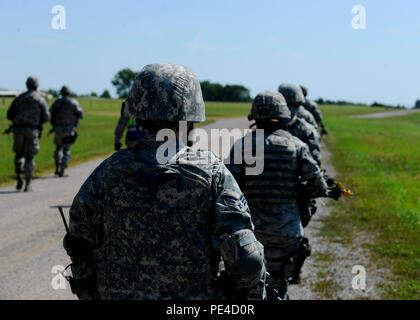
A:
(231, 93)
(106, 94)
(93, 94)
(54, 93)
(123, 81)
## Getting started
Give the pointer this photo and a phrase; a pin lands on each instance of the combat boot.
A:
(28, 185)
(19, 184)
(61, 172)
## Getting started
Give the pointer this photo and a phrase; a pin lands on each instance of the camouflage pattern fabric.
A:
(304, 114)
(28, 109)
(25, 146)
(65, 115)
(292, 93)
(269, 105)
(153, 227)
(301, 129)
(28, 112)
(166, 92)
(313, 108)
(66, 112)
(272, 196)
(62, 151)
(32, 81)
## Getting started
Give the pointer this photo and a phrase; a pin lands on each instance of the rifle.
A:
(81, 250)
(336, 189)
(307, 206)
(8, 130)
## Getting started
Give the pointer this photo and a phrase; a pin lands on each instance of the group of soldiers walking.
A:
(28, 112)
(192, 227)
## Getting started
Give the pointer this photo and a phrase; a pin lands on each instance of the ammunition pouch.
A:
(71, 138)
(82, 286)
(78, 249)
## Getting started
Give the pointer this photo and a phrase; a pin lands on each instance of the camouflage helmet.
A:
(304, 90)
(167, 92)
(65, 91)
(292, 93)
(269, 105)
(32, 82)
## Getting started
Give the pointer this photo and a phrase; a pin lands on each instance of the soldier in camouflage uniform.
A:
(313, 108)
(295, 99)
(146, 229)
(28, 112)
(272, 195)
(298, 126)
(133, 134)
(65, 115)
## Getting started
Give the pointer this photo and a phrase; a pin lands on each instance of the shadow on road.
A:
(10, 191)
(62, 206)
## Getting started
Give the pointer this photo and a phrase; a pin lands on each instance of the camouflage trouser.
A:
(26, 146)
(278, 228)
(62, 151)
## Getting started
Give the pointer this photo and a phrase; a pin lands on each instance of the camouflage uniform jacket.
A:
(313, 108)
(301, 129)
(301, 112)
(287, 160)
(157, 228)
(29, 109)
(273, 195)
(65, 112)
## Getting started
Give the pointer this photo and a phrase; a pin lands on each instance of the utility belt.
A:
(70, 139)
(39, 128)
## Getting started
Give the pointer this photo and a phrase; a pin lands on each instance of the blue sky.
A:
(255, 43)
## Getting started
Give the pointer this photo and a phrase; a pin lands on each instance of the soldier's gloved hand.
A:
(117, 145)
(335, 193)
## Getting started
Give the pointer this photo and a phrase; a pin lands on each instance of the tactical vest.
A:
(278, 182)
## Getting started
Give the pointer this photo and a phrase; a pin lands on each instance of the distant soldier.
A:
(313, 108)
(272, 195)
(143, 227)
(27, 112)
(65, 115)
(133, 135)
(298, 109)
(298, 126)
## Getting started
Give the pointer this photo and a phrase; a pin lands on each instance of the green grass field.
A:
(380, 160)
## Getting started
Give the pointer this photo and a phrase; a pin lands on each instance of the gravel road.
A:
(387, 114)
(31, 233)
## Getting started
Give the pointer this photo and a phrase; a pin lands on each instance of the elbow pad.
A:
(245, 261)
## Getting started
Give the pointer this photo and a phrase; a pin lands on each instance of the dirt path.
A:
(31, 234)
(387, 114)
